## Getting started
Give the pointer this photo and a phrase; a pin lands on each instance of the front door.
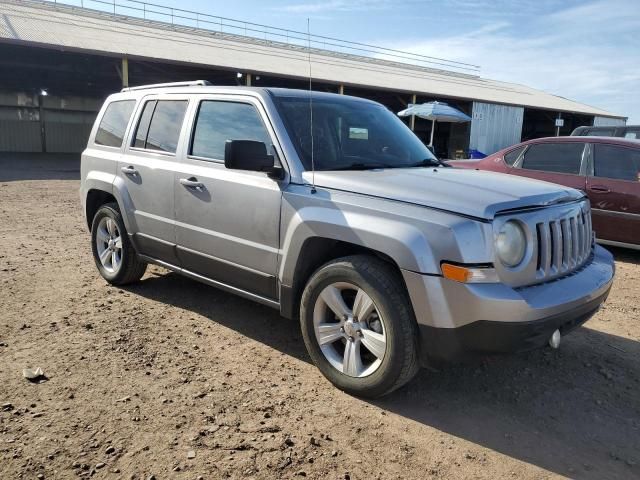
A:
(227, 221)
(147, 171)
(614, 191)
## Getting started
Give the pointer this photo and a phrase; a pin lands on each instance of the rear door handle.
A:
(129, 170)
(599, 189)
(192, 182)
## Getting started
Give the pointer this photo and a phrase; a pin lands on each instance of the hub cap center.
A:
(351, 328)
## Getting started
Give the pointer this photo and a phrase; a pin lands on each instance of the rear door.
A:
(146, 169)
(614, 190)
(564, 163)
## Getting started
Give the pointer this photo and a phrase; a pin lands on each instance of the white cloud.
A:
(583, 53)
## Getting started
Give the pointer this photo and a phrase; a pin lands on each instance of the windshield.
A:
(351, 134)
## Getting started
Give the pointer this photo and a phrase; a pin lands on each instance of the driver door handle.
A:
(192, 182)
(599, 189)
(129, 170)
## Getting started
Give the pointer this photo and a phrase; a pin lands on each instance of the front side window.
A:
(511, 157)
(554, 157)
(219, 121)
(350, 134)
(160, 124)
(114, 123)
(616, 162)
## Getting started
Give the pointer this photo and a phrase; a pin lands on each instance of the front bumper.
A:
(457, 319)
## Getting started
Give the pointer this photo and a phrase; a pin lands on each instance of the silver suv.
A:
(329, 209)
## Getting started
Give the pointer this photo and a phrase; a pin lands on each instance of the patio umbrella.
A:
(436, 112)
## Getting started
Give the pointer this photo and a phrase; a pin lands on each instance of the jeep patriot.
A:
(342, 220)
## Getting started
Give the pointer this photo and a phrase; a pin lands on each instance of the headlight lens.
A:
(511, 244)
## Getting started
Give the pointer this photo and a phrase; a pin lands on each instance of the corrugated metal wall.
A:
(494, 127)
(67, 132)
(608, 121)
(19, 123)
(66, 122)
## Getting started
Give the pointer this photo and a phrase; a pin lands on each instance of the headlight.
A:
(511, 244)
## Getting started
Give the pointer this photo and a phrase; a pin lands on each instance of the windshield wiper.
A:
(429, 162)
(362, 166)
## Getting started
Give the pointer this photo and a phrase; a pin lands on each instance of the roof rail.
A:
(200, 83)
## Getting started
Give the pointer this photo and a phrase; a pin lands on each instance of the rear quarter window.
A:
(114, 123)
(511, 156)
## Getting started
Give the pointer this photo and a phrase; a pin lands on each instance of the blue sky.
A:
(588, 51)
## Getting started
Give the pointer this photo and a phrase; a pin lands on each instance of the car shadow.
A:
(574, 411)
(39, 166)
(625, 255)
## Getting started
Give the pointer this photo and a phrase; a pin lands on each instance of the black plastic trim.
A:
(487, 336)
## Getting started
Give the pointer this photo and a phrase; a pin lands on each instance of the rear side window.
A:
(511, 157)
(616, 162)
(114, 123)
(554, 157)
(601, 132)
(219, 121)
(633, 134)
(160, 124)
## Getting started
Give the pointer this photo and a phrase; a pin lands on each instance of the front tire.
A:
(358, 326)
(113, 253)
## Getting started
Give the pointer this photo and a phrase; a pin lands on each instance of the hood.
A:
(475, 193)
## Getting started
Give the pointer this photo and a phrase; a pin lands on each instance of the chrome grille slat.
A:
(557, 246)
(575, 257)
(566, 245)
(545, 246)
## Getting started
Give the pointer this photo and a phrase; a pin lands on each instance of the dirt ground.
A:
(173, 379)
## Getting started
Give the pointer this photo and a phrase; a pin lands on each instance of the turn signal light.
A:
(462, 274)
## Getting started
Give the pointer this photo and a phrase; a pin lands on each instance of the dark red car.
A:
(606, 168)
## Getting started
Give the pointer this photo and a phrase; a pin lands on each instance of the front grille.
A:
(564, 244)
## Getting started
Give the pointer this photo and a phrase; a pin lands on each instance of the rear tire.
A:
(358, 326)
(113, 253)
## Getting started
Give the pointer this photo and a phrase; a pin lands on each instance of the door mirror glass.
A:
(248, 155)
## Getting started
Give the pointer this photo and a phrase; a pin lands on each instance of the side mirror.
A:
(250, 155)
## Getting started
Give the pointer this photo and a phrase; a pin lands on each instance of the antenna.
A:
(313, 165)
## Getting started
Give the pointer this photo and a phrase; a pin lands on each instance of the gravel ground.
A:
(173, 379)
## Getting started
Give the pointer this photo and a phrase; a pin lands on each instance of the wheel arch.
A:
(95, 199)
(314, 253)
(101, 188)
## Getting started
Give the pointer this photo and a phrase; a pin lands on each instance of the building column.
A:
(248, 80)
(412, 123)
(125, 72)
(43, 130)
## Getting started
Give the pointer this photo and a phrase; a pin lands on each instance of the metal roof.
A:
(57, 26)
